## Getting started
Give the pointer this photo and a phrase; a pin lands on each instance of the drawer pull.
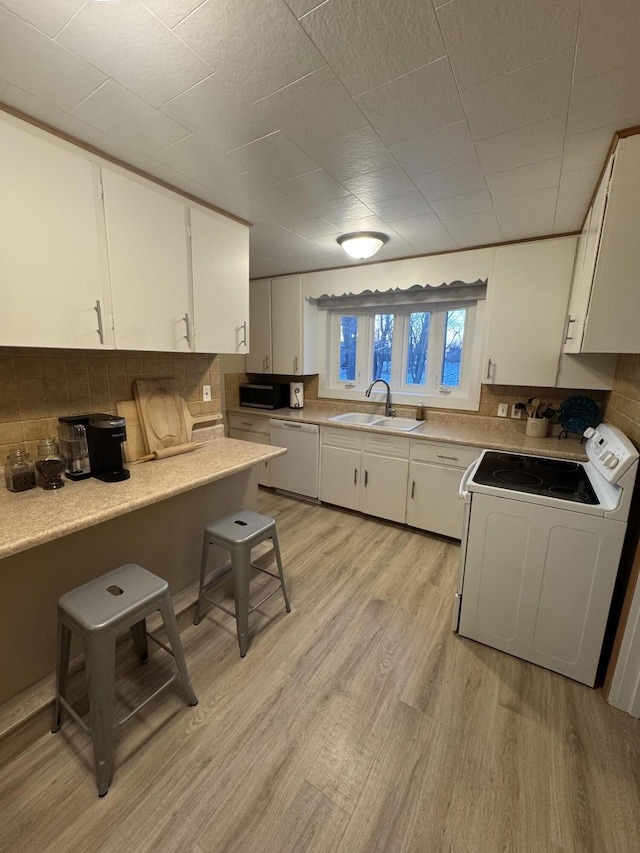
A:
(355, 476)
(413, 489)
(442, 456)
(246, 423)
(366, 478)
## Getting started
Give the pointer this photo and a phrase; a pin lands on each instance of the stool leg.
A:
(100, 656)
(276, 550)
(171, 626)
(139, 634)
(62, 671)
(241, 568)
(203, 570)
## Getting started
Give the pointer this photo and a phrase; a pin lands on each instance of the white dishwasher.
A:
(297, 470)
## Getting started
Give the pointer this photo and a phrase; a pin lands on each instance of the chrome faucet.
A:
(389, 412)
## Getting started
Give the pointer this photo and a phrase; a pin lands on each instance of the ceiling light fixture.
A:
(362, 244)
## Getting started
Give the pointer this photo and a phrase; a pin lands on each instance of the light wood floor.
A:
(358, 723)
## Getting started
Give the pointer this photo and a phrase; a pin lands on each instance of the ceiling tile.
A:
(431, 152)
(463, 205)
(171, 12)
(457, 180)
(119, 113)
(612, 98)
(33, 62)
(380, 185)
(416, 103)
(257, 46)
(201, 162)
(215, 111)
(301, 7)
(313, 187)
(260, 197)
(425, 233)
(589, 148)
(478, 230)
(353, 154)
(523, 97)
(608, 37)
(341, 210)
(49, 17)
(128, 42)
(485, 40)
(45, 112)
(531, 144)
(365, 223)
(317, 227)
(275, 157)
(367, 43)
(574, 196)
(528, 215)
(412, 204)
(525, 179)
(312, 110)
(4, 86)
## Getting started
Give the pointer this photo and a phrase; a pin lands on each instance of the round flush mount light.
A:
(362, 244)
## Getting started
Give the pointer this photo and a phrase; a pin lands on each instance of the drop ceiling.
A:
(443, 124)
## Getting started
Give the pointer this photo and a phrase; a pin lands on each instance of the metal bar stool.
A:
(238, 533)
(99, 611)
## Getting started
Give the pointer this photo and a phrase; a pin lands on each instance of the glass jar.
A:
(49, 465)
(19, 473)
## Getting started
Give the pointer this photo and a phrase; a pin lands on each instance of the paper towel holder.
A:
(296, 395)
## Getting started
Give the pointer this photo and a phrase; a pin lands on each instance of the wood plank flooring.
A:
(359, 723)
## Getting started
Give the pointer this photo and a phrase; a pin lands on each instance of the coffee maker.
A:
(73, 444)
(105, 435)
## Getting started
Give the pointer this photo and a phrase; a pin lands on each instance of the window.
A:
(427, 352)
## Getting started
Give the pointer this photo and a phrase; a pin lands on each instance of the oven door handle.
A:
(462, 490)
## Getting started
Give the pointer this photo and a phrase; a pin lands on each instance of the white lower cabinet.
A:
(435, 471)
(256, 429)
(340, 476)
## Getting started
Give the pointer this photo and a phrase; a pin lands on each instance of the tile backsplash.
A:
(624, 402)
(37, 386)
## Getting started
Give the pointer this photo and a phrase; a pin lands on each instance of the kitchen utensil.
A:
(577, 413)
(190, 419)
(542, 407)
(530, 410)
(134, 447)
(166, 452)
(160, 409)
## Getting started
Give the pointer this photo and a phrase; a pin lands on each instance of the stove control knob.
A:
(589, 431)
(610, 461)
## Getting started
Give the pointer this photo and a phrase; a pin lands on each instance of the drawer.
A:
(455, 455)
(246, 435)
(387, 445)
(348, 438)
(252, 423)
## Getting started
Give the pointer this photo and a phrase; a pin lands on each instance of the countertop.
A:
(35, 517)
(474, 430)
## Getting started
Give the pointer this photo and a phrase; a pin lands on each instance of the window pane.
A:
(418, 348)
(348, 345)
(382, 340)
(453, 343)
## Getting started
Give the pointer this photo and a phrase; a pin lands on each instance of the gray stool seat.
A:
(238, 533)
(99, 611)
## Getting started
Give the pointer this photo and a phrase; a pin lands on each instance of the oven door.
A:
(465, 496)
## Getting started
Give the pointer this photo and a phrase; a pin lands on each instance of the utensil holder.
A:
(537, 427)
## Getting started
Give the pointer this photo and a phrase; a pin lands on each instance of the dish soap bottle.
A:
(50, 464)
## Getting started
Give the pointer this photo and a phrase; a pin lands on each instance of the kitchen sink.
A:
(402, 424)
(361, 418)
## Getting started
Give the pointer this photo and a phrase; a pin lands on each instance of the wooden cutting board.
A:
(134, 447)
(160, 410)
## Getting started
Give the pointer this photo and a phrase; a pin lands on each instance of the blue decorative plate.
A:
(577, 413)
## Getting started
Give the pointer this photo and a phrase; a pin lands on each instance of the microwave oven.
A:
(272, 395)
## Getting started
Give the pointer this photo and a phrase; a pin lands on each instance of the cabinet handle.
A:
(567, 336)
(296, 361)
(243, 342)
(413, 489)
(266, 362)
(489, 368)
(246, 423)
(355, 476)
(442, 456)
(187, 324)
(100, 329)
(366, 478)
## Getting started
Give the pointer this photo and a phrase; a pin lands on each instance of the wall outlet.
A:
(206, 393)
(503, 410)
(516, 413)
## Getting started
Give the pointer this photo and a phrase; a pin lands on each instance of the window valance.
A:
(418, 294)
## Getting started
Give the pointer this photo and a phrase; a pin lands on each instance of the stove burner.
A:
(556, 465)
(517, 478)
(512, 459)
(569, 494)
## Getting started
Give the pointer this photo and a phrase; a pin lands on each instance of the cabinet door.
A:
(384, 486)
(50, 259)
(147, 247)
(220, 270)
(529, 295)
(286, 325)
(340, 477)
(432, 499)
(259, 357)
(263, 469)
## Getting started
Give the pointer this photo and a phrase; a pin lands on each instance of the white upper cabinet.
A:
(260, 356)
(528, 299)
(148, 265)
(606, 302)
(293, 328)
(220, 270)
(50, 257)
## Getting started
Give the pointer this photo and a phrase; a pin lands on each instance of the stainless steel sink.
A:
(402, 424)
(361, 418)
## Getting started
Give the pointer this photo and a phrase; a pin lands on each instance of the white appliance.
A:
(298, 470)
(540, 550)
